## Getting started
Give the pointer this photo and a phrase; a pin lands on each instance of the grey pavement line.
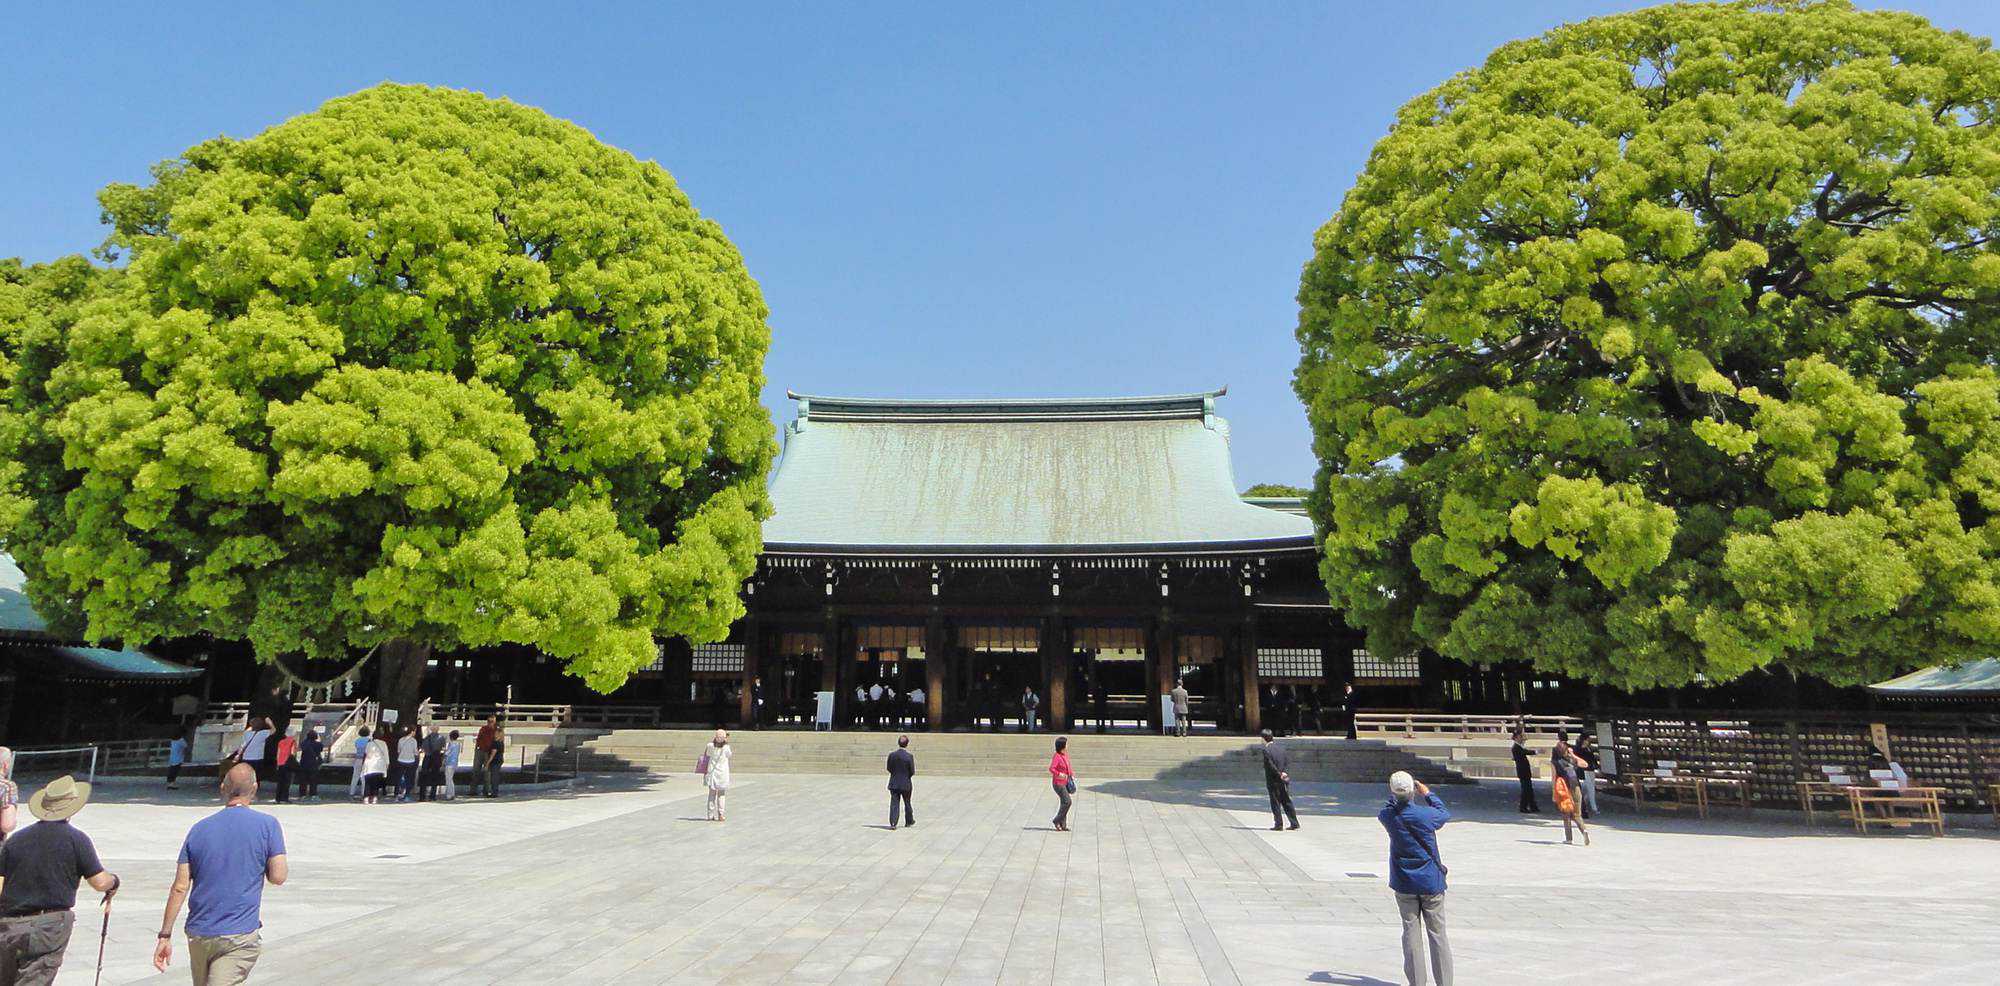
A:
(1013, 843)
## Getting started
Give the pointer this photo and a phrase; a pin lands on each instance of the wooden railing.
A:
(1410, 724)
(550, 715)
(239, 712)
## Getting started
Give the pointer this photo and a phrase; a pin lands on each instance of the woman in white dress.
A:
(717, 778)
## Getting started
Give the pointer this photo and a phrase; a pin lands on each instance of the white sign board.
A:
(389, 716)
(1607, 750)
(823, 712)
(1167, 722)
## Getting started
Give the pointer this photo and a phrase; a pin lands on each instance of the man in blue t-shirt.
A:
(224, 863)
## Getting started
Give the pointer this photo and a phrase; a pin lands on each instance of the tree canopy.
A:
(1662, 345)
(1275, 489)
(420, 367)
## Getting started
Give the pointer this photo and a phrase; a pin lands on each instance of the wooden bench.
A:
(1689, 790)
(1900, 807)
(1812, 792)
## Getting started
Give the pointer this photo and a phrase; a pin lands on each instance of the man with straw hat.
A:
(40, 865)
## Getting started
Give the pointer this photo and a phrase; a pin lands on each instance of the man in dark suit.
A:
(902, 767)
(1278, 781)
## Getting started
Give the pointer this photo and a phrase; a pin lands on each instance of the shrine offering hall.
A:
(958, 552)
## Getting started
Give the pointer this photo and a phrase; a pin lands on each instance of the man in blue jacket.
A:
(1412, 818)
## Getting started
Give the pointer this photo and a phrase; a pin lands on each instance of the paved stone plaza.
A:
(1158, 883)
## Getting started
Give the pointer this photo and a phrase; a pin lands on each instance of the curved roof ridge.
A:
(825, 407)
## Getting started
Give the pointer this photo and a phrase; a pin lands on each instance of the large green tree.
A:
(420, 369)
(1662, 345)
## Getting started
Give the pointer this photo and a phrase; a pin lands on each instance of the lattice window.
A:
(718, 658)
(881, 637)
(1369, 667)
(1289, 662)
(659, 661)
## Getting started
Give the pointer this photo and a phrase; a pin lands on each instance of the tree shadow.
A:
(1347, 979)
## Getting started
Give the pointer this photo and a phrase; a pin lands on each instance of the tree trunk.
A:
(272, 696)
(400, 666)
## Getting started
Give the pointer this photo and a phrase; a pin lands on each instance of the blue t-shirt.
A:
(226, 854)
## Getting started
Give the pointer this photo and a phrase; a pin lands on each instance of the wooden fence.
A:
(1775, 750)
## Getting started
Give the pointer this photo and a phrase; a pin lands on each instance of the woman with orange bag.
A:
(1564, 790)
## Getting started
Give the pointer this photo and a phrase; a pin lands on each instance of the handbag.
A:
(1069, 786)
(1559, 792)
(701, 764)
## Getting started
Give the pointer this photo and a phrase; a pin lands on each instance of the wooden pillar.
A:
(830, 664)
(1055, 660)
(1253, 720)
(1164, 656)
(934, 658)
(746, 705)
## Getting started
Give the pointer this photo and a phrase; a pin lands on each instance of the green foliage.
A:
(1275, 489)
(419, 366)
(1663, 345)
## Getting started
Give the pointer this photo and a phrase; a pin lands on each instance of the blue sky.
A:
(1052, 200)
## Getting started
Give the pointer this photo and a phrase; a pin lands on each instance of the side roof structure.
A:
(1081, 476)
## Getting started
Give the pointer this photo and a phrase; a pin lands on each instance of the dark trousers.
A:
(1062, 811)
(479, 758)
(406, 778)
(493, 772)
(309, 780)
(284, 783)
(909, 817)
(1350, 724)
(173, 772)
(1281, 801)
(1527, 791)
(31, 949)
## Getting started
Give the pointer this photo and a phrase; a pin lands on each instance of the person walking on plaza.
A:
(482, 752)
(225, 861)
(406, 763)
(1416, 874)
(1031, 705)
(39, 869)
(282, 759)
(177, 754)
(374, 766)
(1347, 707)
(717, 777)
(1278, 782)
(354, 785)
(1064, 780)
(1585, 752)
(1181, 707)
(902, 767)
(452, 748)
(1564, 791)
(311, 752)
(1524, 771)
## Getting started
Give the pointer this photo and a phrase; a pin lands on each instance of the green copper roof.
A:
(16, 615)
(1969, 680)
(1063, 476)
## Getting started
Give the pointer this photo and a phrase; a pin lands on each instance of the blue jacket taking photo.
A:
(1414, 865)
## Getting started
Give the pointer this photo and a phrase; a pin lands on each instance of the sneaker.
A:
(1295, 826)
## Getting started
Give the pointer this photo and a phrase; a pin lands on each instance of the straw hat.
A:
(62, 798)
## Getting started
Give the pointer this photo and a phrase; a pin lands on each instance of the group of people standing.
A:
(1572, 779)
(879, 706)
(408, 762)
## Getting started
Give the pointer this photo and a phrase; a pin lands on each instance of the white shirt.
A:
(874, 692)
(860, 694)
(254, 743)
(917, 695)
(406, 750)
(376, 760)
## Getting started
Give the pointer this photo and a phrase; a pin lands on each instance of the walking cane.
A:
(102, 936)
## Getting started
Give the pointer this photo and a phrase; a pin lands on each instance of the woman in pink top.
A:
(1064, 781)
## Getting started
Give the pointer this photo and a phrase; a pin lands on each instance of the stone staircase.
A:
(1096, 757)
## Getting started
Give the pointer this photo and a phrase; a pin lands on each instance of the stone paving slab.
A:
(1158, 883)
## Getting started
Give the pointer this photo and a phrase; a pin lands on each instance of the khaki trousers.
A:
(224, 960)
